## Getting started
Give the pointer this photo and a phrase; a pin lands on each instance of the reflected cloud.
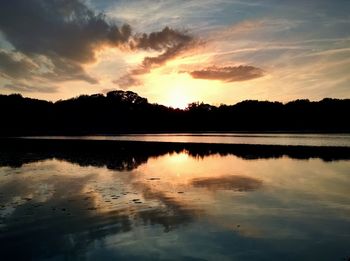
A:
(232, 182)
(79, 206)
(173, 213)
(66, 219)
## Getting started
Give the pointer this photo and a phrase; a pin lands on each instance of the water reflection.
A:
(188, 203)
(295, 139)
(234, 182)
(119, 155)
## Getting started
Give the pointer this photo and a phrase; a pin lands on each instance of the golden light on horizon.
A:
(177, 90)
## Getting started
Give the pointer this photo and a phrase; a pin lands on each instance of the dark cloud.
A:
(168, 41)
(233, 182)
(161, 40)
(16, 66)
(64, 28)
(63, 71)
(171, 42)
(228, 74)
(66, 32)
(21, 87)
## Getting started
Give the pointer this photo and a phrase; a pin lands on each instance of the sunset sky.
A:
(174, 52)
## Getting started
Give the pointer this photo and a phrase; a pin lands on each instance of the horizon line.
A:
(154, 103)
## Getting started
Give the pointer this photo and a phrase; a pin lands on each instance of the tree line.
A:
(127, 112)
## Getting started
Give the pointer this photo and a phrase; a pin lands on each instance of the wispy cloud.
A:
(21, 87)
(127, 81)
(15, 65)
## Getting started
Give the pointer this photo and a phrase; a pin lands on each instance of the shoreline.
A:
(18, 149)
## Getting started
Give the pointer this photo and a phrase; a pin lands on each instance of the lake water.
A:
(227, 138)
(173, 206)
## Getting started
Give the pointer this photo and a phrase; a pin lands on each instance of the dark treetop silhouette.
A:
(125, 111)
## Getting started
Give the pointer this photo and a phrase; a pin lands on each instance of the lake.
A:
(99, 200)
(226, 138)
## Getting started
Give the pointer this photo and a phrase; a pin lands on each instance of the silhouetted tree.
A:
(125, 111)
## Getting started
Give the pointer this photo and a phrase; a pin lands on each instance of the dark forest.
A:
(126, 112)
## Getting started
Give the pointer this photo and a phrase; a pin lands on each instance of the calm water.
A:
(229, 138)
(174, 207)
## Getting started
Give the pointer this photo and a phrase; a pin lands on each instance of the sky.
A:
(175, 52)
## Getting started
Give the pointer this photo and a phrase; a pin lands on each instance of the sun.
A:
(179, 92)
(178, 98)
(174, 87)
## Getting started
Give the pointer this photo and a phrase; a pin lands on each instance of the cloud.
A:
(171, 42)
(127, 81)
(233, 182)
(66, 32)
(21, 87)
(63, 71)
(64, 28)
(13, 65)
(58, 37)
(228, 74)
(236, 30)
(161, 40)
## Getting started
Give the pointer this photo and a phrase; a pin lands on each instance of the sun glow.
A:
(177, 90)
(179, 93)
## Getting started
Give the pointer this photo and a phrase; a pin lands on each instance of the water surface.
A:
(227, 138)
(173, 206)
